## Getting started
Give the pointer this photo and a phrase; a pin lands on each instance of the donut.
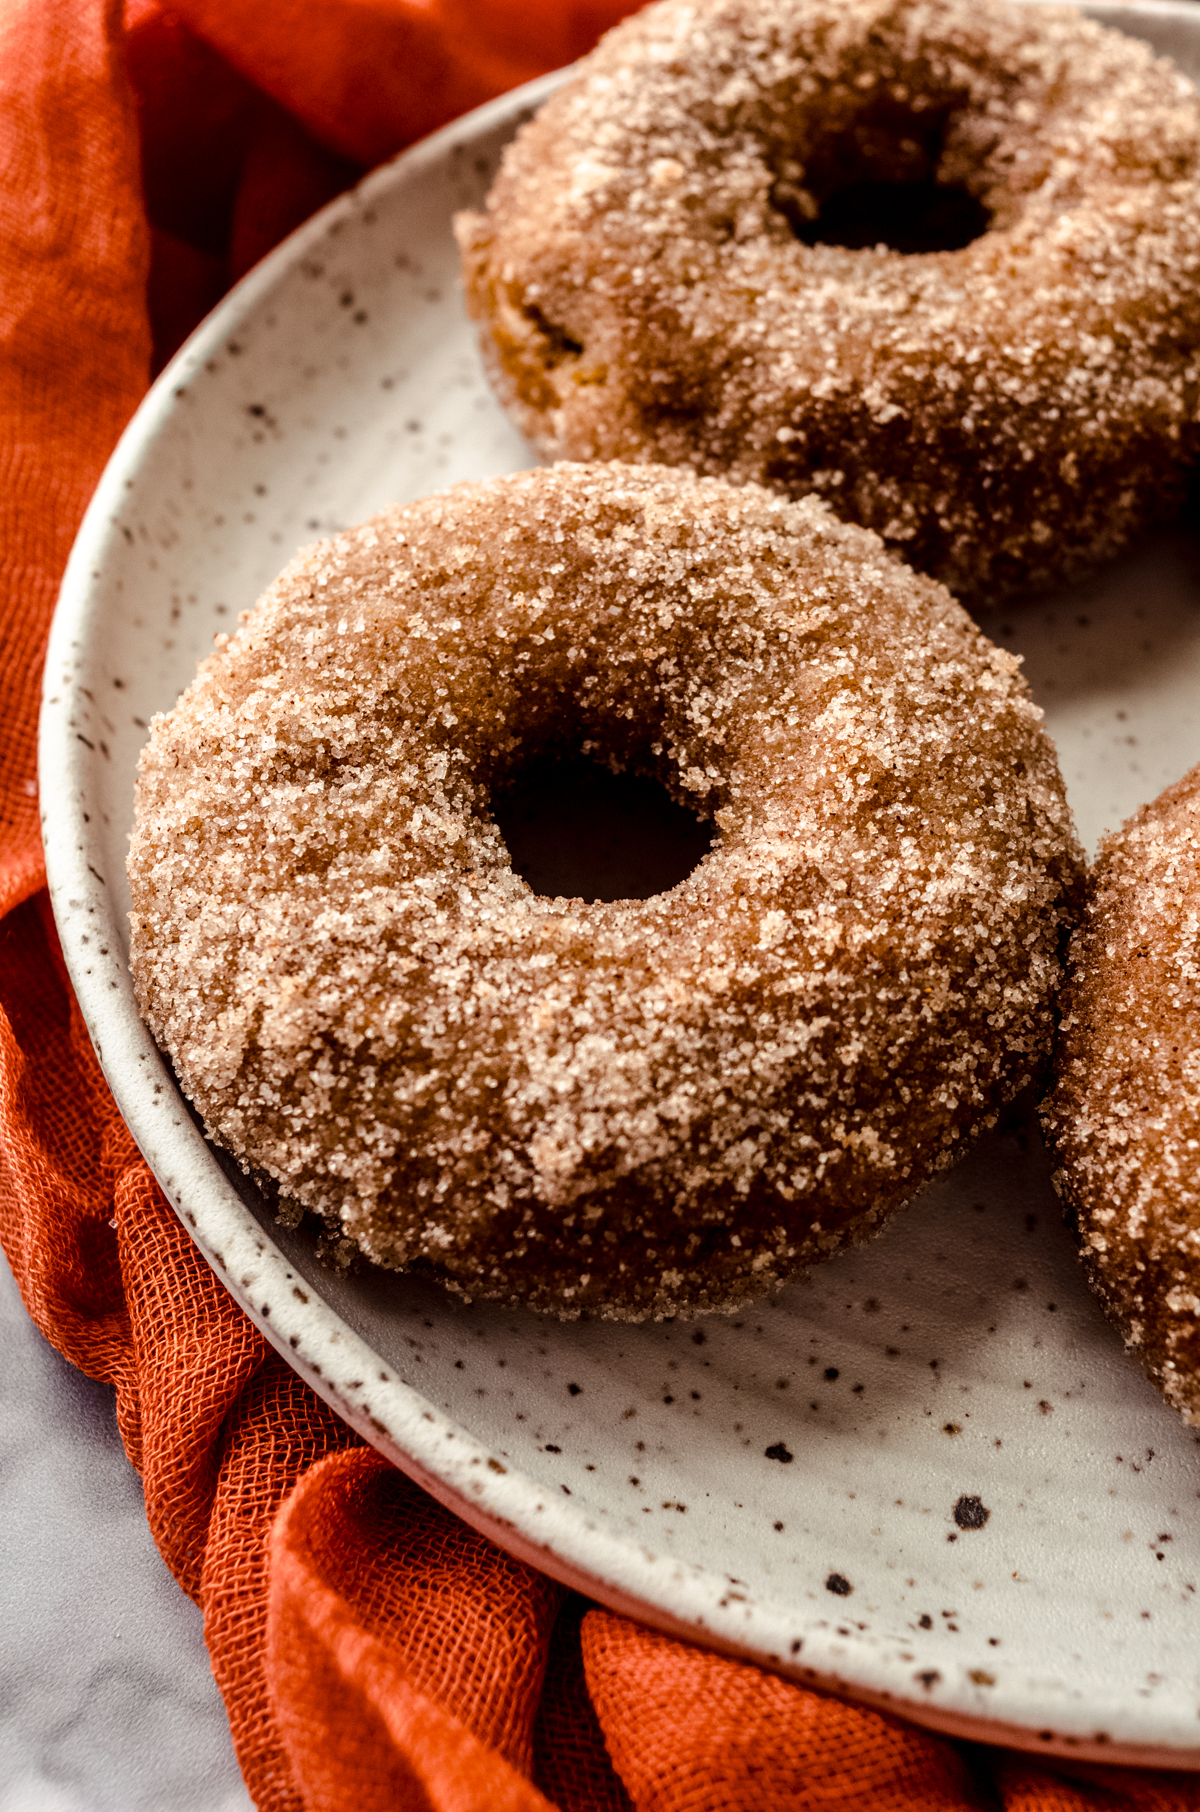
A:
(1122, 1120)
(631, 1107)
(656, 282)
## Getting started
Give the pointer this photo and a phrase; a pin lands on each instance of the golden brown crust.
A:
(642, 1106)
(1123, 1119)
(1004, 415)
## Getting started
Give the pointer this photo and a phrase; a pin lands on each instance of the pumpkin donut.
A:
(639, 1106)
(1123, 1119)
(655, 281)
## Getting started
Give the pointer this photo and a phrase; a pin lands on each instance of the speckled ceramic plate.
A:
(927, 1478)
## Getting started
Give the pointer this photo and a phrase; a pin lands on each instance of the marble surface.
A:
(107, 1703)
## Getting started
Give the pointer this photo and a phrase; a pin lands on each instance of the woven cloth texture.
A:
(373, 1652)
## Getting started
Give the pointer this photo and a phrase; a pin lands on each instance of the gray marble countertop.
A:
(106, 1699)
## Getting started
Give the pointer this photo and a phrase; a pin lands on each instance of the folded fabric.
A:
(373, 1652)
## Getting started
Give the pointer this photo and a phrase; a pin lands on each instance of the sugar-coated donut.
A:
(635, 1106)
(1123, 1118)
(1004, 413)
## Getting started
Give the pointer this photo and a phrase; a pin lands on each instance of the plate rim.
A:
(430, 1447)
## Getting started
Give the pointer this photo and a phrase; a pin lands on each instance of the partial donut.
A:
(635, 1106)
(654, 284)
(1123, 1118)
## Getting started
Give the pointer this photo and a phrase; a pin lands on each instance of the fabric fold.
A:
(417, 1680)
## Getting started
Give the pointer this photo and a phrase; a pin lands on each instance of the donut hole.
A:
(909, 217)
(556, 343)
(575, 828)
(883, 180)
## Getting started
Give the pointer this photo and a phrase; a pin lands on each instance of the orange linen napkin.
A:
(373, 1652)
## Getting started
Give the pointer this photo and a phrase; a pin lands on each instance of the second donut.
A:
(935, 261)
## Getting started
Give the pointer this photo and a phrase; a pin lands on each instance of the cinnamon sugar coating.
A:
(1005, 414)
(632, 1107)
(1123, 1119)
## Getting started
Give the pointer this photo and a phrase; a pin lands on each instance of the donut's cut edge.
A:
(1006, 415)
(1123, 1117)
(640, 1107)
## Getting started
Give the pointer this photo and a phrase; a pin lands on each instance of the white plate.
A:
(929, 1478)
